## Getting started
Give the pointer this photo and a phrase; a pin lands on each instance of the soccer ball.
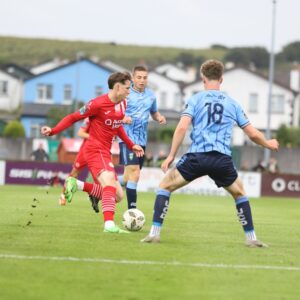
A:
(133, 219)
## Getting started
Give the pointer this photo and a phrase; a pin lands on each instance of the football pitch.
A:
(53, 252)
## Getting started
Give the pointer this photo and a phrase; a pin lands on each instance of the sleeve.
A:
(87, 110)
(189, 108)
(241, 118)
(124, 137)
(153, 108)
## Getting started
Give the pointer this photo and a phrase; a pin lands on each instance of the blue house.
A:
(64, 86)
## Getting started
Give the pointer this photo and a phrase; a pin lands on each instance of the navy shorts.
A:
(128, 157)
(216, 165)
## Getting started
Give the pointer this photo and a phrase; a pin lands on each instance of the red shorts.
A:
(98, 160)
(79, 162)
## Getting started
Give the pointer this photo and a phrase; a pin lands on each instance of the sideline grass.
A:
(198, 229)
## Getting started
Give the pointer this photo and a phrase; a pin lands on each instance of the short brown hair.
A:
(139, 68)
(118, 77)
(212, 69)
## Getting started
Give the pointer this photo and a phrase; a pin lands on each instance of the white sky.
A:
(179, 23)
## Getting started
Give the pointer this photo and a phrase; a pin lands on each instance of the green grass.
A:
(198, 229)
(30, 51)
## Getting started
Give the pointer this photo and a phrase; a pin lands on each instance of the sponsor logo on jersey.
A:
(113, 123)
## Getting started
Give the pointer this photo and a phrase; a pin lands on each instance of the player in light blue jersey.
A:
(212, 115)
(141, 103)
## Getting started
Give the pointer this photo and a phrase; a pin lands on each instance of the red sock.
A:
(109, 202)
(108, 215)
(93, 189)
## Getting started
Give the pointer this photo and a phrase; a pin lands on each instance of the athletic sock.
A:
(245, 217)
(109, 202)
(155, 229)
(92, 189)
(160, 210)
(131, 194)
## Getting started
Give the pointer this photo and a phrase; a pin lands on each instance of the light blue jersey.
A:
(213, 116)
(139, 107)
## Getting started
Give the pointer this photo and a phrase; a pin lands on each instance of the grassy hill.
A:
(29, 51)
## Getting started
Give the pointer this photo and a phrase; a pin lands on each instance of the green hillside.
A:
(29, 52)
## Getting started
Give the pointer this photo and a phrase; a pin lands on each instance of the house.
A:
(11, 88)
(176, 73)
(48, 65)
(69, 84)
(251, 90)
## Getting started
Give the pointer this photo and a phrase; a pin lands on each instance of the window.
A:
(277, 104)
(3, 87)
(178, 102)
(35, 131)
(67, 93)
(44, 93)
(98, 91)
(163, 99)
(253, 103)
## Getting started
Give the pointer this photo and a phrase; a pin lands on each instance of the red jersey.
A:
(105, 122)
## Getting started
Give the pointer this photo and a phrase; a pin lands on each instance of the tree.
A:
(246, 55)
(290, 52)
(288, 136)
(14, 129)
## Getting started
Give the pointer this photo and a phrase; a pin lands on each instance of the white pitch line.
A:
(148, 262)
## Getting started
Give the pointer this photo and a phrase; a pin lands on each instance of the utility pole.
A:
(271, 79)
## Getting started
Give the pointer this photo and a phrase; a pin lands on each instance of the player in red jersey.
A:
(106, 114)
(80, 163)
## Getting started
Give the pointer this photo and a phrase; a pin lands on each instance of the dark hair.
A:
(212, 69)
(118, 77)
(139, 68)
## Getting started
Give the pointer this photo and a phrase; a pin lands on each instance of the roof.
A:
(40, 109)
(16, 71)
(72, 63)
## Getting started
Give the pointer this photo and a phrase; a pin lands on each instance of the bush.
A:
(288, 136)
(14, 129)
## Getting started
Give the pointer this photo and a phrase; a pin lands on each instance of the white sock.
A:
(250, 235)
(80, 185)
(155, 230)
(109, 224)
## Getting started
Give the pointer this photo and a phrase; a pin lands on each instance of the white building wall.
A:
(11, 100)
(167, 92)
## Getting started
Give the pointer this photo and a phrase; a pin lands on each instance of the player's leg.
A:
(131, 175)
(109, 195)
(172, 181)
(130, 178)
(244, 214)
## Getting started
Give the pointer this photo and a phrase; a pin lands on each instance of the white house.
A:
(176, 73)
(251, 90)
(168, 92)
(11, 89)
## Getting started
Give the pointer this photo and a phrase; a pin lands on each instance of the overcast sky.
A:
(179, 23)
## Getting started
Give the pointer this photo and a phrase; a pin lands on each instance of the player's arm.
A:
(69, 120)
(258, 138)
(65, 123)
(177, 140)
(157, 116)
(138, 150)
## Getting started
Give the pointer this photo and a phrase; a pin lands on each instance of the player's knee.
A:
(167, 186)
(119, 195)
